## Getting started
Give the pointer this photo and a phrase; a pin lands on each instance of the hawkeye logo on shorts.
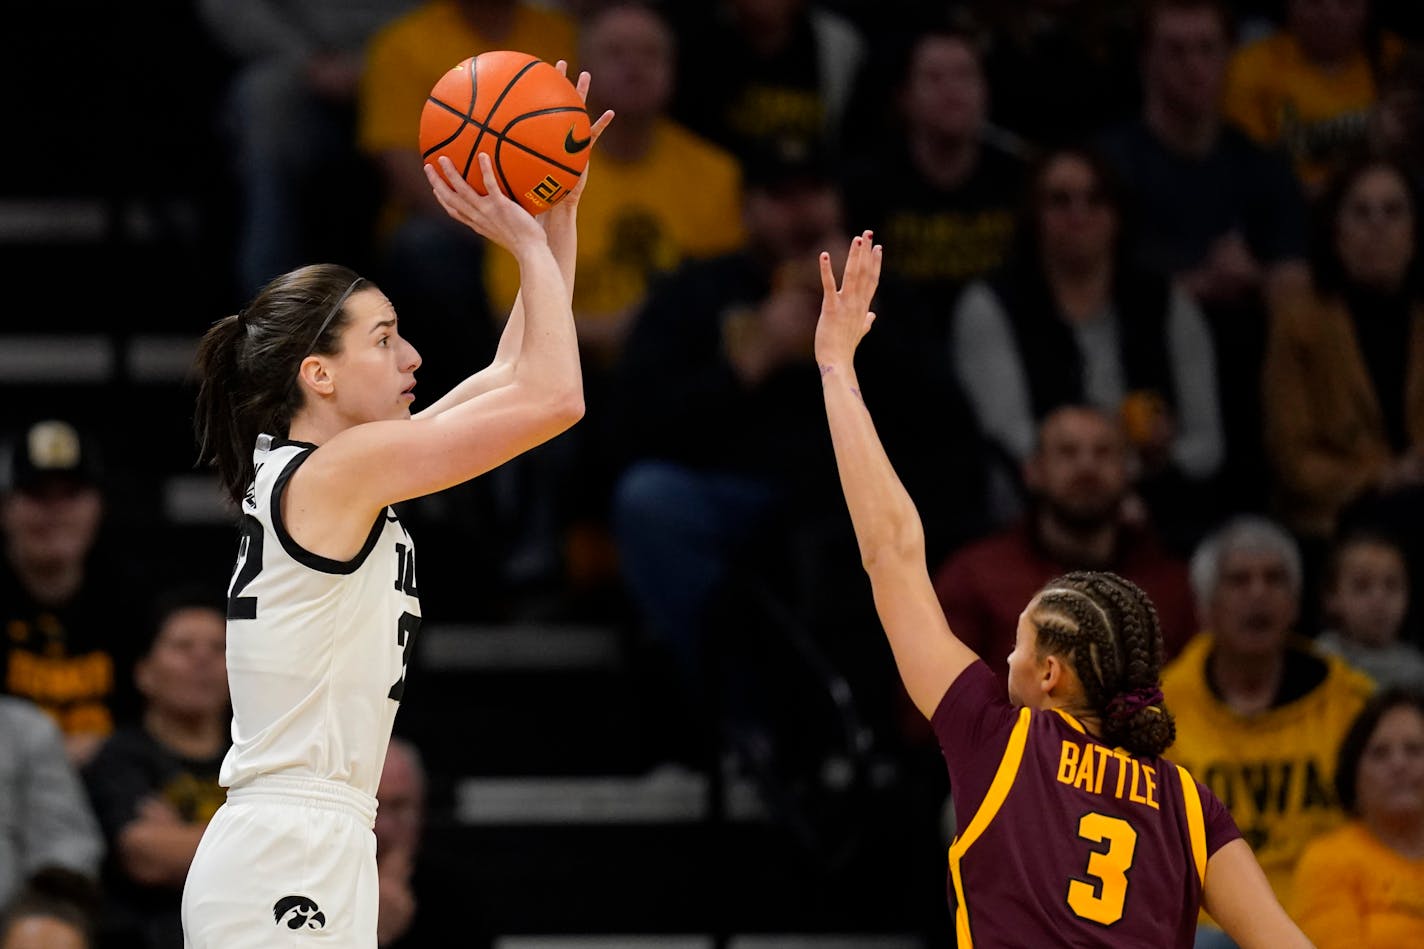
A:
(298, 912)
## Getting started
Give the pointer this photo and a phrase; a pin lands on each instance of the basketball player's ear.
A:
(314, 375)
(1050, 673)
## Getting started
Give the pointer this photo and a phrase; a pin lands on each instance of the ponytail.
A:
(1139, 721)
(222, 442)
(247, 365)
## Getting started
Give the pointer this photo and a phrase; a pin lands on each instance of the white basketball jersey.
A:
(316, 648)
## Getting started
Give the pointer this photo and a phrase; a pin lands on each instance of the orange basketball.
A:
(520, 111)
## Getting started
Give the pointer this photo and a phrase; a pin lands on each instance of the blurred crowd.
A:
(1153, 302)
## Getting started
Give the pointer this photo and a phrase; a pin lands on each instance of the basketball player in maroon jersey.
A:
(1073, 830)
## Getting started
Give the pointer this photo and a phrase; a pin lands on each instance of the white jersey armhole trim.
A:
(299, 553)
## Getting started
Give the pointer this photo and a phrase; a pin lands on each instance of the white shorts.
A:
(286, 862)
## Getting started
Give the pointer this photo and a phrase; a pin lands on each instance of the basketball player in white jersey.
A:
(304, 409)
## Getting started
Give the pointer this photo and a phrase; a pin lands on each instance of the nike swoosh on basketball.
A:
(575, 145)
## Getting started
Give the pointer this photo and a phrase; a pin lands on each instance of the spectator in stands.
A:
(727, 500)
(1085, 46)
(293, 122)
(406, 58)
(154, 784)
(45, 820)
(754, 73)
(1073, 319)
(1344, 374)
(663, 193)
(54, 911)
(434, 267)
(1361, 886)
(1077, 474)
(1259, 711)
(717, 402)
(1366, 602)
(68, 642)
(938, 196)
(1309, 87)
(430, 264)
(1216, 211)
(1397, 123)
(400, 819)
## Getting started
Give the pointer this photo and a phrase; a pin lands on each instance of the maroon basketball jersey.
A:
(1062, 840)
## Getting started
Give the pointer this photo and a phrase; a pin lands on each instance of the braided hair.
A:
(1106, 627)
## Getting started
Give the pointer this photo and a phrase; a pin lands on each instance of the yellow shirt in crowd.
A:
(407, 57)
(1274, 771)
(1283, 99)
(682, 199)
(1353, 892)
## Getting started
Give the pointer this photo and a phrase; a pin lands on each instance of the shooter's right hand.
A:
(491, 215)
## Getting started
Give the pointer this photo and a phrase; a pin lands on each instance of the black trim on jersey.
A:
(299, 553)
(289, 443)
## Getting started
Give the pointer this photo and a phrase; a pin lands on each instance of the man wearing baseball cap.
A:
(63, 622)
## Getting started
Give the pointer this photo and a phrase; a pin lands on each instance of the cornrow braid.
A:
(1090, 645)
(1108, 628)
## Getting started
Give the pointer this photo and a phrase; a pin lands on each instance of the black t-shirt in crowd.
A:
(73, 660)
(131, 767)
(744, 100)
(936, 240)
(1185, 203)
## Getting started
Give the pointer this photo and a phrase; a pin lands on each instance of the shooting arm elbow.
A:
(568, 407)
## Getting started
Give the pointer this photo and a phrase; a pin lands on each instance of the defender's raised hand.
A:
(845, 310)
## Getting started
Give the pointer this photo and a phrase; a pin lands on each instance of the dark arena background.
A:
(650, 698)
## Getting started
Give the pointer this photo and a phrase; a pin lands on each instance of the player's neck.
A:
(314, 428)
(188, 737)
(1081, 715)
(1248, 684)
(945, 161)
(1067, 697)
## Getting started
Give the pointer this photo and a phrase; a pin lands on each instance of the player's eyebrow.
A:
(384, 324)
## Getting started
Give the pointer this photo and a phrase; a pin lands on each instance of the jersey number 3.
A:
(1101, 898)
